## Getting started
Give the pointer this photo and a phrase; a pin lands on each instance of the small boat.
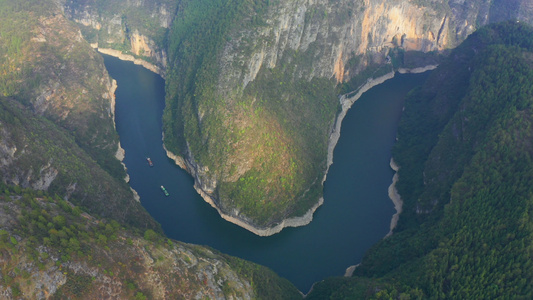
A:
(165, 191)
(149, 162)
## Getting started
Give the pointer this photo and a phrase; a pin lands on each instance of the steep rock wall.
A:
(133, 27)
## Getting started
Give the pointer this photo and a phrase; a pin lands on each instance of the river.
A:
(356, 211)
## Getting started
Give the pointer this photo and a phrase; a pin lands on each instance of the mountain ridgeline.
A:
(252, 85)
(465, 156)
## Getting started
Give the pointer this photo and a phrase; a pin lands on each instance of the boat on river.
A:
(165, 191)
(150, 162)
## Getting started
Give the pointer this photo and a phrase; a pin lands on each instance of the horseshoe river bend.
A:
(356, 212)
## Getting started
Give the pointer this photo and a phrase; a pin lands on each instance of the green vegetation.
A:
(290, 155)
(17, 19)
(266, 283)
(45, 65)
(264, 145)
(44, 152)
(48, 245)
(464, 151)
(60, 127)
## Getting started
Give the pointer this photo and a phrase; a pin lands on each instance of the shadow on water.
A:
(356, 213)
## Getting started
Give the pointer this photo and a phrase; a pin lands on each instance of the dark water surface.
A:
(356, 211)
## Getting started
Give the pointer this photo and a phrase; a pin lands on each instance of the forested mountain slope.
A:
(466, 172)
(61, 135)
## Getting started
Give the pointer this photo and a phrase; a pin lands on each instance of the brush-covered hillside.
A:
(51, 249)
(57, 125)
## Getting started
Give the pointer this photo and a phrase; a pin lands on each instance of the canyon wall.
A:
(133, 27)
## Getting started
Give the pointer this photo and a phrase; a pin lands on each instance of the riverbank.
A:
(290, 222)
(395, 197)
(128, 57)
(120, 154)
(346, 103)
(417, 70)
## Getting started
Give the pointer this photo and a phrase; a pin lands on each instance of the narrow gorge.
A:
(251, 106)
(252, 102)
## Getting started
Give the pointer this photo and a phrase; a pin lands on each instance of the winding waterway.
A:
(356, 211)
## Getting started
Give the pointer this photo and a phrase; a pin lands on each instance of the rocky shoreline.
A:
(395, 197)
(120, 151)
(289, 222)
(417, 70)
(127, 57)
(346, 103)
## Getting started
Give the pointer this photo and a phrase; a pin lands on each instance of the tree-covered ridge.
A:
(262, 149)
(465, 152)
(52, 249)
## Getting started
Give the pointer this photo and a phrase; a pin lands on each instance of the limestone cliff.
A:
(136, 28)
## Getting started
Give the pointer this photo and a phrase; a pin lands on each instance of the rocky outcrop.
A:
(395, 197)
(12, 173)
(133, 28)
